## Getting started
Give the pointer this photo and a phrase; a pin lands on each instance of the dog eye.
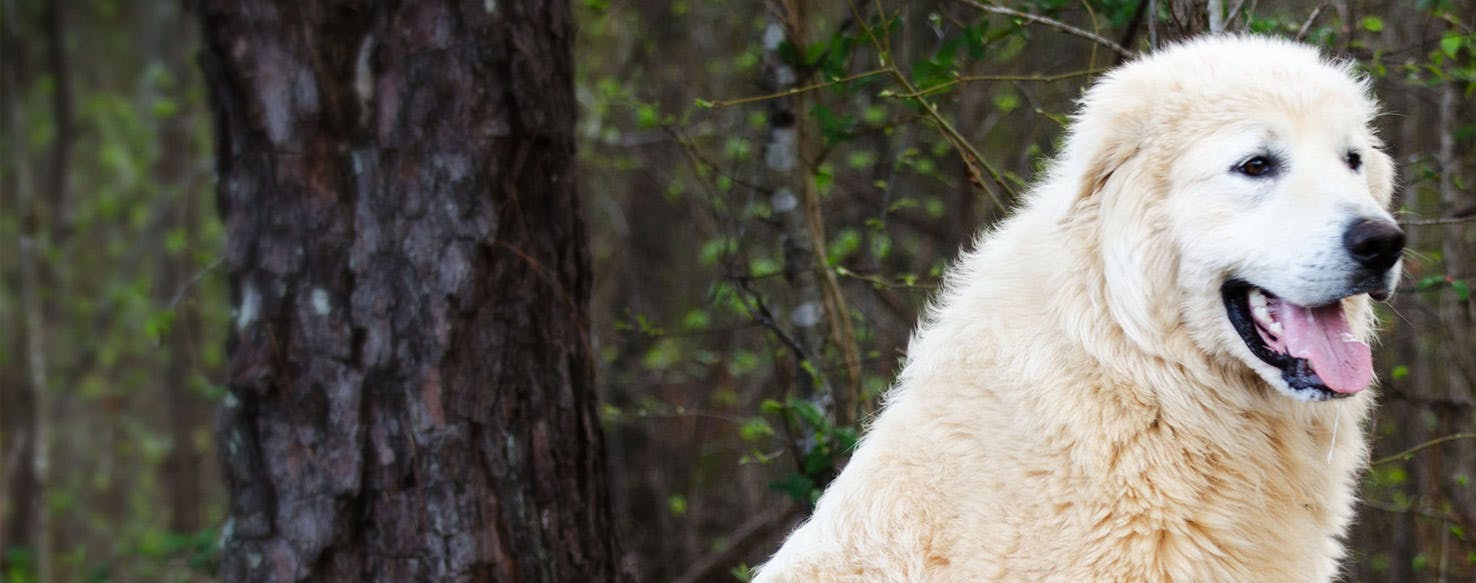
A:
(1354, 161)
(1256, 167)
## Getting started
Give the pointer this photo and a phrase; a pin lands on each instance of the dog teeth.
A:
(1257, 299)
(1261, 313)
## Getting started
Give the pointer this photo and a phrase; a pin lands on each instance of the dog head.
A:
(1241, 196)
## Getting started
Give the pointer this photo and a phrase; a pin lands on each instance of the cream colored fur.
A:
(1076, 406)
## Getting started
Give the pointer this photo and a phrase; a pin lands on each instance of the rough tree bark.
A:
(411, 386)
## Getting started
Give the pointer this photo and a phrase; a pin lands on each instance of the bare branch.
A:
(1021, 78)
(791, 92)
(748, 534)
(1053, 23)
(1307, 26)
(1437, 221)
(194, 279)
(1418, 448)
(1234, 14)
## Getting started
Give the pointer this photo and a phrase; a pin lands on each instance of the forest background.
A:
(772, 190)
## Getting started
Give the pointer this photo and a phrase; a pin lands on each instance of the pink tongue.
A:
(1321, 336)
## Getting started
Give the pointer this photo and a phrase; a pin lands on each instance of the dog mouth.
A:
(1313, 347)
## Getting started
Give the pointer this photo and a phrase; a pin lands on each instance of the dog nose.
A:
(1375, 244)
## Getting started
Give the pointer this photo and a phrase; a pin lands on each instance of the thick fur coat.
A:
(1077, 406)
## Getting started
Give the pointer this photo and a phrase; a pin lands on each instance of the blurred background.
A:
(722, 144)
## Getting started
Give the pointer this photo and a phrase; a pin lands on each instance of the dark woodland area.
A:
(602, 290)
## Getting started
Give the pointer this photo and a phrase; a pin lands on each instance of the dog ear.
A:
(1110, 128)
(1109, 147)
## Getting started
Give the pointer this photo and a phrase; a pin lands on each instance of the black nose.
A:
(1374, 243)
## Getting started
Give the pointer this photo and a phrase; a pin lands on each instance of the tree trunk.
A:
(1187, 18)
(411, 386)
(172, 172)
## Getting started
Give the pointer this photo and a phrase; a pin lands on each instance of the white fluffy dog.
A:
(1155, 369)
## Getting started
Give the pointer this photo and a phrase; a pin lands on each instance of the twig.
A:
(976, 78)
(1307, 26)
(1056, 24)
(971, 157)
(748, 534)
(1234, 14)
(195, 279)
(792, 92)
(1407, 509)
(1439, 221)
(1152, 25)
(1423, 446)
(879, 281)
(699, 161)
(1130, 35)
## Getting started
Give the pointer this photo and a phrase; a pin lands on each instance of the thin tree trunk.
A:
(785, 174)
(16, 392)
(411, 385)
(1187, 18)
(1215, 15)
(58, 179)
(36, 231)
(30, 276)
(818, 307)
(182, 406)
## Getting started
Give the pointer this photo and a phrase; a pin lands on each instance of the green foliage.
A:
(132, 302)
(818, 454)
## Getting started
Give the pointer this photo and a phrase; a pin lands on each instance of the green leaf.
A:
(165, 107)
(974, 39)
(696, 319)
(755, 428)
(846, 242)
(824, 178)
(1373, 23)
(677, 503)
(834, 128)
(933, 72)
(174, 241)
(818, 462)
(1449, 44)
(1007, 102)
(1462, 289)
(1429, 282)
(809, 413)
(716, 249)
(771, 406)
(846, 438)
(861, 159)
(647, 117)
(703, 103)
(797, 486)
(158, 324)
(1399, 372)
